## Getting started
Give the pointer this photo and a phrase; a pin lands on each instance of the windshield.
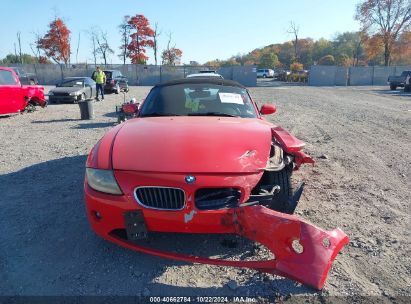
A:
(198, 100)
(6, 78)
(72, 83)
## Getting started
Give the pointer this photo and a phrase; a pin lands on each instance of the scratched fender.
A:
(292, 145)
(308, 264)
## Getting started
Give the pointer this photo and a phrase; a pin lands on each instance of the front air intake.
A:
(162, 198)
(217, 198)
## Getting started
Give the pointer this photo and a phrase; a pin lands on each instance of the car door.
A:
(11, 93)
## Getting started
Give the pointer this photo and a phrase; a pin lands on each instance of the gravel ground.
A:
(359, 136)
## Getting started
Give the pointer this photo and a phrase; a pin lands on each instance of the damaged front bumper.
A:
(301, 251)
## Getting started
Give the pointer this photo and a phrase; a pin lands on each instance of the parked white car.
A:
(205, 74)
(265, 73)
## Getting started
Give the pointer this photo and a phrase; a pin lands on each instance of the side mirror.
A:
(267, 109)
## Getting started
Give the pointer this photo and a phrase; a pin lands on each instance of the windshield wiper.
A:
(212, 114)
(156, 114)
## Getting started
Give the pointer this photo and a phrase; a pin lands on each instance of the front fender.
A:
(100, 156)
(291, 145)
(35, 94)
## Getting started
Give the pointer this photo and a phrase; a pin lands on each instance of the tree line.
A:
(346, 49)
(383, 39)
(136, 34)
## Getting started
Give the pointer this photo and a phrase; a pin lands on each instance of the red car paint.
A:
(290, 143)
(221, 152)
(130, 108)
(192, 144)
(309, 266)
(15, 97)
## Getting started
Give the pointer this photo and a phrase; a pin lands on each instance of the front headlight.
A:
(74, 93)
(50, 93)
(103, 181)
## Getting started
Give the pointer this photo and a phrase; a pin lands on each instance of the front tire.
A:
(282, 201)
(393, 87)
(283, 179)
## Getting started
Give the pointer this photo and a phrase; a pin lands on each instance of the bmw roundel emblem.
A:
(190, 179)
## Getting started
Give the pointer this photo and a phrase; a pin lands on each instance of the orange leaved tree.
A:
(56, 42)
(171, 56)
(141, 38)
(386, 18)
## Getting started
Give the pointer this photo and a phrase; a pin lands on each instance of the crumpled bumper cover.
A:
(302, 251)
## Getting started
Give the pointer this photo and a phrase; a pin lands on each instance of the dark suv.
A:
(115, 81)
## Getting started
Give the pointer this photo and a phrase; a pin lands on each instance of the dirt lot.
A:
(360, 137)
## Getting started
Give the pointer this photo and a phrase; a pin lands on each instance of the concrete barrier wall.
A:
(360, 76)
(354, 76)
(341, 76)
(381, 74)
(322, 75)
(143, 75)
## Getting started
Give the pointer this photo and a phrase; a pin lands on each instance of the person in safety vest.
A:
(100, 79)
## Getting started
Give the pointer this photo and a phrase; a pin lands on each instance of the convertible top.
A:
(200, 80)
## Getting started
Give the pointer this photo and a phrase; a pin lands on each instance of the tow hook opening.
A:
(297, 247)
(326, 242)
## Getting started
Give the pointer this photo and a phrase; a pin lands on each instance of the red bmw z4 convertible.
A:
(200, 158)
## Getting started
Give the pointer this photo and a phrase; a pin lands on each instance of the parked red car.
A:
(15, 97)
(199, 158)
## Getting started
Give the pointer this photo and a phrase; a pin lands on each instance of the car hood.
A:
(192, 145)
(66, 90)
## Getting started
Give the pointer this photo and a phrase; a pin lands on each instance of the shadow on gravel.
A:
(54, 120)
(111, 115)
(268, 82)
(393, 93)
(48, 248)
(8, 116)
(94, 125)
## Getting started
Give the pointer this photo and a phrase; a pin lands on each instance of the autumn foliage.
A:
(327, 60)
(141, 38)
(296, 66)
(56, 42)
(171, 56)
(386, 20)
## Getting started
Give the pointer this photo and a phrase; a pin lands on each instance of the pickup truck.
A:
(16, 97)
(407, 86)
(398, 81)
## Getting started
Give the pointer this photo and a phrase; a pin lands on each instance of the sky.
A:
(204, 30)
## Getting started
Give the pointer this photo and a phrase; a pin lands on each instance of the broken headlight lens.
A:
(103, 181)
